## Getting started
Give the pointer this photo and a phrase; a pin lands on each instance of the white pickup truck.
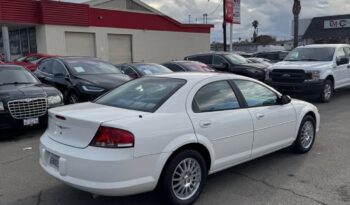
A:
(312, 71)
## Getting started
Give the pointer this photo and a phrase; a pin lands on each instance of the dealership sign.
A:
(340, 23)
(233, 11)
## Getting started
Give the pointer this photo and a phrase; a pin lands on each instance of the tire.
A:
(173, 180)
(72, 98)
(306, 136)
(327, 91)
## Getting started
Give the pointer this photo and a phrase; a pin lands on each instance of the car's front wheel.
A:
(184, 178)
(72, 98)
(306, 135)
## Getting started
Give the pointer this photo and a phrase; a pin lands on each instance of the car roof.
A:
(9, 66)
(184, 61)
(210, 53)
(324, 46)
(199, 76)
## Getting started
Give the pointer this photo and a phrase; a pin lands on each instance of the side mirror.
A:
(342, 61)
(285, 99)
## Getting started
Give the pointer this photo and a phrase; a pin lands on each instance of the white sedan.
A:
(170, 132)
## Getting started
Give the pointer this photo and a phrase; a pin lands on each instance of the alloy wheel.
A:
(186, 178)
(307, 134)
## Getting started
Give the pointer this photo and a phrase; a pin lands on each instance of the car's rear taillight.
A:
(109, 137)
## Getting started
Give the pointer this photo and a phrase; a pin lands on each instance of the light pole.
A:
(296, 12)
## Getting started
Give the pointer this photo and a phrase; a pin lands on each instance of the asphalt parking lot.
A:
(319, 177)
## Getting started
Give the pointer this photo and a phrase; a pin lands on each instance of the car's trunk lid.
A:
(76, 125)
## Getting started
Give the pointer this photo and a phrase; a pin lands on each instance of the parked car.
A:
(243, 54)
(24, 100)
(232, 63)
(1, 62)
(264, 61)
(137, 70)
(188, 66)
(274, 57)
(80, 78)
(30, 61)
(172, 130)
(313, 71)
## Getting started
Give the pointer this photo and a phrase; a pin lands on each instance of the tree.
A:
(255, 25)
(265, 40)
(296, 12)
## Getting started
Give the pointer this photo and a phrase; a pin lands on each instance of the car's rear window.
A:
(145, 94)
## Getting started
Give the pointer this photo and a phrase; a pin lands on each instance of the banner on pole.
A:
(236, 11)
(229, 9)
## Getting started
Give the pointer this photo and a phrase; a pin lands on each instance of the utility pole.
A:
(224, 25)
(189, 18)
(296, 12)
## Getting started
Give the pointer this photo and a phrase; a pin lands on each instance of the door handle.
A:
(204, 124)
(259, 116)
(348, 66)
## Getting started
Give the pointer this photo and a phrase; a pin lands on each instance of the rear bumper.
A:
(307, 89)
(108, 172)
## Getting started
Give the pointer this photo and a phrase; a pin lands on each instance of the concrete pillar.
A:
(6, 43)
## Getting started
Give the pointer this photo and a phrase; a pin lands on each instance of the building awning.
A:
(329, 27)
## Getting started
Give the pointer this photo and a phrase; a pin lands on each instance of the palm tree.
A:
(255, 24)
(296, 12)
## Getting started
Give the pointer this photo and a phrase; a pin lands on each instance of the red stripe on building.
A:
(63, 13)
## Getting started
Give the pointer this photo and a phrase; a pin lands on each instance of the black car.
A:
(232, 63)
(137, 70)
(24, 100)
(188, 66)
(80, 78)
(274, 56)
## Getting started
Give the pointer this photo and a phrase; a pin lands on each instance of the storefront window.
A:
(32, 40)
(24, 41)
(14, 42)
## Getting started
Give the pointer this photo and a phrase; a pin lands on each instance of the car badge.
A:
(27, 100)
(286, 75)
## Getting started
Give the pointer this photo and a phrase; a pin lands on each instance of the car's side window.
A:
(340, 53)
(218, 60)
(347, 51)
(206, 59)
(255, 94)
(128, 71)
(46, 67)
(174, 67)
(58, 68)
(216, 96)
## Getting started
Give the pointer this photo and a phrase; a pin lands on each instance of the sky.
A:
(274, 16)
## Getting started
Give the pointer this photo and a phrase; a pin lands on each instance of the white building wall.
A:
(147, 45)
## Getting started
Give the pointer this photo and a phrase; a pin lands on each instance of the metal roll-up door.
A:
(120, 48)
(80, 44)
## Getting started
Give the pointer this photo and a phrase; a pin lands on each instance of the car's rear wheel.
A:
(306, 136)
(327, 91)
(184, 178)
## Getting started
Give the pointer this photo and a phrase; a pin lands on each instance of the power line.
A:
(216, 8)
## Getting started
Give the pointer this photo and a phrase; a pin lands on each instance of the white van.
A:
(312, 71)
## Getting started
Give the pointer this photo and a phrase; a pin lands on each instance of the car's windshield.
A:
(149, 69)
(91, 66)
(20, 59)
(16, 76)
(144, 94)
(236, 59)
(311, 54)
(199, 67)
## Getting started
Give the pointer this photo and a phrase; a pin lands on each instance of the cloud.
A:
(274, 16)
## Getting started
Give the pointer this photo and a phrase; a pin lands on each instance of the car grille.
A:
(287, 76)
(27, 108)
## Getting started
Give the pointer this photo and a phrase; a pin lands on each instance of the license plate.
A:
(54, 160)
(31, 122)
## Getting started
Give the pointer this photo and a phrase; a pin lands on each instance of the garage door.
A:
(80, 44)
(120, 48)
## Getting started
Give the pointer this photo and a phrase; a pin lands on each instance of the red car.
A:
(30, 61)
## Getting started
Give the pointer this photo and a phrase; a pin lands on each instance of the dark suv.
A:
(232, 63)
